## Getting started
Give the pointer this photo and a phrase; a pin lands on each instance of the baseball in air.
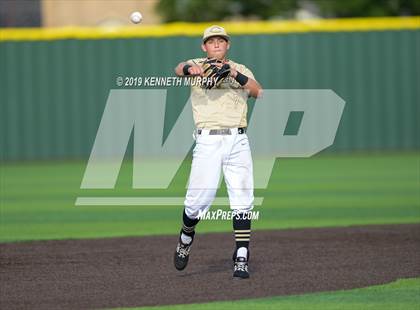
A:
(136, 17)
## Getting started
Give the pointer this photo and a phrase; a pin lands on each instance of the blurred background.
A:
(57, 13)
(60, 58)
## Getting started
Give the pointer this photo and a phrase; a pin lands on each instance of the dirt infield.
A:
(75, 274)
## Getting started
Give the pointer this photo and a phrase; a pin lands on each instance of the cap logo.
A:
(215, 29)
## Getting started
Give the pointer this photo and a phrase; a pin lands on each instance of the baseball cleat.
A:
(181, 255)
(240, 268)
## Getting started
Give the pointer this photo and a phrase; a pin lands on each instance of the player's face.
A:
(216, 47)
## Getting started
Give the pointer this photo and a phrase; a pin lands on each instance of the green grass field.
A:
(399, 295)
(37, 199)
(38, 202)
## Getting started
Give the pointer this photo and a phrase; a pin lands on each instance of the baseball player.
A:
(220, 115)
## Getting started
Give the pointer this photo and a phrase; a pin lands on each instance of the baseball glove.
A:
(215, 71)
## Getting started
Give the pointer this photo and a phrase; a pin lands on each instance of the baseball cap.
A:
(213, 31)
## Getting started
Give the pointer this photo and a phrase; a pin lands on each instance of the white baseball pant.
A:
(213, 153)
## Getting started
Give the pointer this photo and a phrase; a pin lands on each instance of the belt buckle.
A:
(222, 131)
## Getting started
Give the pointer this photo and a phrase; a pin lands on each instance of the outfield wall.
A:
(55, 82)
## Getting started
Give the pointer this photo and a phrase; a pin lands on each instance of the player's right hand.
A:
(195, 70)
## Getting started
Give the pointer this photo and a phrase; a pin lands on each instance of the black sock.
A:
(188, 225)
(242, 229)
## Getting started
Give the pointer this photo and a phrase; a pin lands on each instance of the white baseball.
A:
(136, 17)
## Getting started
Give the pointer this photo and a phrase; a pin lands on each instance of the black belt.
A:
(223, 131)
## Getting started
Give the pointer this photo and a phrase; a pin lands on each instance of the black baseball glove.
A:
(215, 71)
